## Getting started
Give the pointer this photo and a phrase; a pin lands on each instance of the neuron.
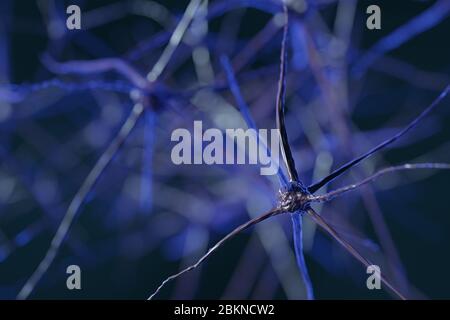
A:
(295, 197)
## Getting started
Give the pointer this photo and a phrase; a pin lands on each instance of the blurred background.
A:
(348, 88)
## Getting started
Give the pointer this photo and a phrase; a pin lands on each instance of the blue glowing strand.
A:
(147, 164)
(421, 23)
(297, 226)
(243, 108)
